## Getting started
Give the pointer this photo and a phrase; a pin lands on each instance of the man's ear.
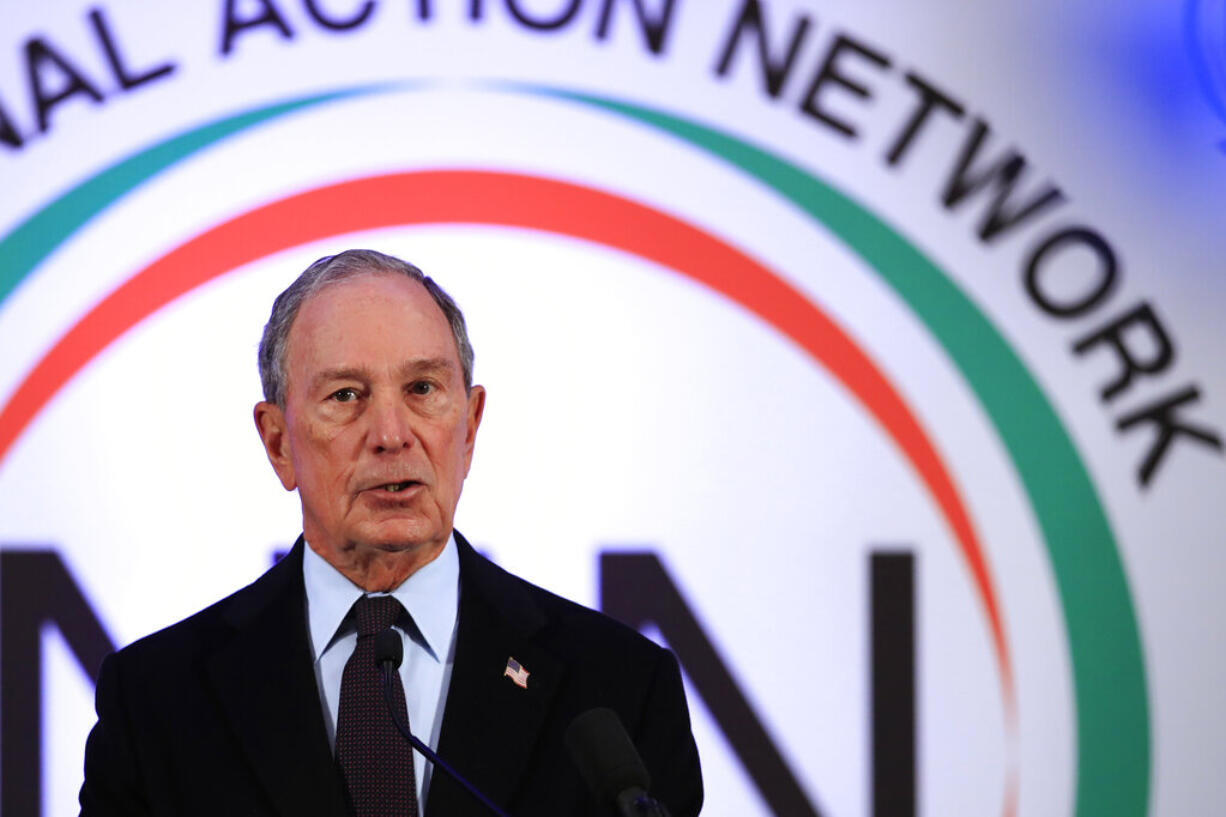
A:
(476, 408)
(270, 423)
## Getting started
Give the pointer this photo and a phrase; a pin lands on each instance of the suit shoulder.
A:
(579, 619)
(566, 625)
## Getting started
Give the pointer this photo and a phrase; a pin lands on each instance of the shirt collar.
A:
(431, 597)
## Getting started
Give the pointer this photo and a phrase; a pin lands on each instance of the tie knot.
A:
(376, 613)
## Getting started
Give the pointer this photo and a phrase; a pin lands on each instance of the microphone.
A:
(389, 652)
(610, 765)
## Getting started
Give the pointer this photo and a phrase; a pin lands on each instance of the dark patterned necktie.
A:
(374, 757)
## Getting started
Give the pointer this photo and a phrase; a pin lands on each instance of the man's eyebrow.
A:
(341, 373)
(410, 368)
(427, 365)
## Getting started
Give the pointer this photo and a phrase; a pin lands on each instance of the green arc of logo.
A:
(1109, 683)
(1112, 715)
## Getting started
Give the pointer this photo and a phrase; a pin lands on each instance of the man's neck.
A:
(378, 569)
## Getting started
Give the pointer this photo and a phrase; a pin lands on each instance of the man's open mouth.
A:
(397, 487)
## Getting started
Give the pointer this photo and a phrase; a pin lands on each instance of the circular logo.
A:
(699, 379)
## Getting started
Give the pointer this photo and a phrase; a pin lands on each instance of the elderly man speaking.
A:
(271, 702)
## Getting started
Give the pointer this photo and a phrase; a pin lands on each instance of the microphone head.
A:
(605, 755)
(388, 649)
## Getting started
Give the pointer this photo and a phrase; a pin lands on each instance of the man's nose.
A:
(391, 426)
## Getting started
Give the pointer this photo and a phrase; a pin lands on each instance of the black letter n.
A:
(36, 589)
(637, 590)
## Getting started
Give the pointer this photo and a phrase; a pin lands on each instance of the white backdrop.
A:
(1068, 641)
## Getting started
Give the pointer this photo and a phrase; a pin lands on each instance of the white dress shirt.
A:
(431, 597)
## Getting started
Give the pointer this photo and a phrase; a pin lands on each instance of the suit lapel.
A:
(265, 682)
(491, 724)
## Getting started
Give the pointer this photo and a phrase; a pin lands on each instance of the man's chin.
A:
(401, 535)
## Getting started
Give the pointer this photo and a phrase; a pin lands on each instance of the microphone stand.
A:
(638, 803)
(428, 753)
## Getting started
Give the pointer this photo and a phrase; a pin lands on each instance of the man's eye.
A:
(422, 387)
(345, 395)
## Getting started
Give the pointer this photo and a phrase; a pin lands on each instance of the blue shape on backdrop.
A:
(1205, 38)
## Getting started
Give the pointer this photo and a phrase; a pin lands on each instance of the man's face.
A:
(377, 431)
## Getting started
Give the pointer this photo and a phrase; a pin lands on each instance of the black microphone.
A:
(389, 652)
(610, 765)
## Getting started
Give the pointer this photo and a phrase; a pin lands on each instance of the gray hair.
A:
(333, 269)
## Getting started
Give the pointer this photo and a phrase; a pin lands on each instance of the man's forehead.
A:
(388, 315)
(386, 297)
(373, 283)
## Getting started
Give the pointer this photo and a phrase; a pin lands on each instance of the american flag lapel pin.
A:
(516, 673)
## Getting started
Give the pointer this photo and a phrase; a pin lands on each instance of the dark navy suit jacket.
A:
(220, 715)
